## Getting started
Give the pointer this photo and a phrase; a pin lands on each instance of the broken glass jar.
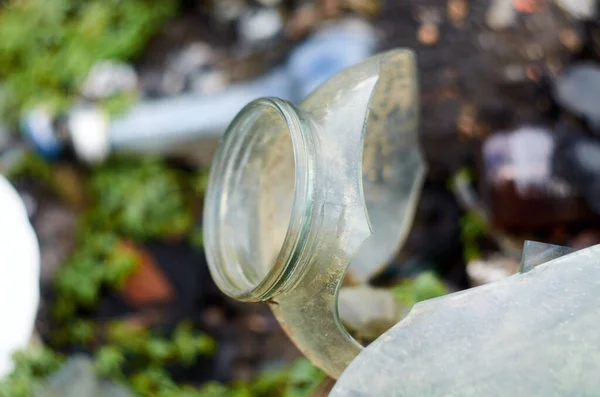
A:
(297, 195)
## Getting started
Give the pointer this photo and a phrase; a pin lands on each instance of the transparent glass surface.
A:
(258, 194)
(357, 171)
(531, 334)
(535, 253)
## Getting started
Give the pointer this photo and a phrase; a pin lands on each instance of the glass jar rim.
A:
(229, 275)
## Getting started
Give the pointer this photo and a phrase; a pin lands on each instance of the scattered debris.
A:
(501, 14)
(226, 11)
(494, 268)
(428, 34)
(258, 26)
(571, 39)
(108, 78)
(209, 81)
(457, 11)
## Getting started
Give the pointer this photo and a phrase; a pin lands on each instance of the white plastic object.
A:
(19, 275)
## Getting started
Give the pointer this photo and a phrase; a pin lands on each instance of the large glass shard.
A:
(535, 253)
(531, 334)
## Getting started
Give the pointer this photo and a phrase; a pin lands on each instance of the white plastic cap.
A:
(88, 128)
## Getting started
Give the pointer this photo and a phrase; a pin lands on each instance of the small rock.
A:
(493, 269)
(107, 78)
(260, 25)
(368, 311)
(226, 11)
(579, 9)
(183, 66)
(257, 323)
(571, 39)
(578, 91)
(213, 317)
(77, 378)
(172, 83)
(501, 14)
(208, 82)
(303, 20)
(457, 11)
(191, 58)
(428, 34)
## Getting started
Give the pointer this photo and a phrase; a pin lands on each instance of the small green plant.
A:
(135, 199)
(98, 261)
(141, 199)
(48, 46)
(472, 229)
(299, 379)
(31, 366)
(426, 285)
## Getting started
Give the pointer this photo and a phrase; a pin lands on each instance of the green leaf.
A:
(426, 285)
(108, 360)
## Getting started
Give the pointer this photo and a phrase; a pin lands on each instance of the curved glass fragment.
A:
(531, 334)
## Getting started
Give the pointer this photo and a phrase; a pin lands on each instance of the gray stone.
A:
(260, 25)
(580, 9)
(77, 378)
(108, 78)
(367, 310)
(578, 90)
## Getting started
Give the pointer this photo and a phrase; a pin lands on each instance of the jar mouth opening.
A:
(247, 190)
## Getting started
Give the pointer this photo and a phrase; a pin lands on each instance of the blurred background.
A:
(110, 113)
